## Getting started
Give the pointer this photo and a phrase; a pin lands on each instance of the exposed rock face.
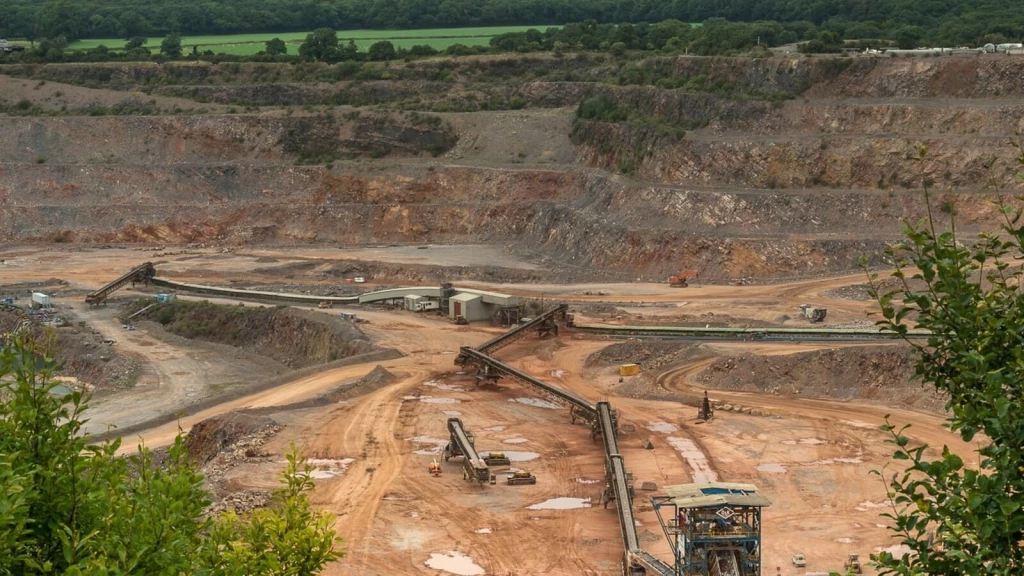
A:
(760, 186)
(210, 437)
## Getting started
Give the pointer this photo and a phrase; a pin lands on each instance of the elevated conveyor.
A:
(580, 409)
(635, 560)
(142, 273)
(544, 322)
(780, 335)
(459, 444)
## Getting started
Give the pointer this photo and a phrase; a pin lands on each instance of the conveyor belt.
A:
(782, 335)
(517, 333)
(473, 462)
(141, 273)
(564, 396)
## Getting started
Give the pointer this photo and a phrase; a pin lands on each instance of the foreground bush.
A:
(70, 507)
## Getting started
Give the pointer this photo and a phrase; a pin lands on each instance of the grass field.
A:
(244, 44)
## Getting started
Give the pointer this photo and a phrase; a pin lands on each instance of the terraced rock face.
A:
(801, 168)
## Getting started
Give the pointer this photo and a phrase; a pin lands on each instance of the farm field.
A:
(244, 44)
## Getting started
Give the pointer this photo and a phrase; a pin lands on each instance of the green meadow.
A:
(246, 44)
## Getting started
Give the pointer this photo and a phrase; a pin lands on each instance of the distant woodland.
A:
(929, 22)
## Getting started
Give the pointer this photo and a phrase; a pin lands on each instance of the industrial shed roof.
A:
(712, 494)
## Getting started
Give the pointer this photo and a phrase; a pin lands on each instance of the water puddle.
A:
(432, 400)
(515, 441)
(558, 373)
(772, 468)
(482, 531)
(521, 456)
(700, 468)
(329, 468)
(452, 413)
(454, 563)
(437, 445)
(563, 503)
(662, 427)
(494, 428)
(443, 386)
(587, 481)
(537, 403)
(844, 540)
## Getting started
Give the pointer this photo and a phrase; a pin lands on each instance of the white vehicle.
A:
(359, 280)
(799, 560)
(426, 305)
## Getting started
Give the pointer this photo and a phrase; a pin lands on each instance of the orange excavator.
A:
(681, 280)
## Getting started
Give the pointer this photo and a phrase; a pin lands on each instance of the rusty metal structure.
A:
(142, 274)
(706, 412)
(714, 528)
(460, 443)
(603, 422)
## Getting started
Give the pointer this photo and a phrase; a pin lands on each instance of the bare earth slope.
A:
(754, 189)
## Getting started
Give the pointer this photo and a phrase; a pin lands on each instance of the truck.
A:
(812, 314)
(496, 459)
(40, 300)
(799, 560)
(852, 564)
(521, 478)
(425, 305)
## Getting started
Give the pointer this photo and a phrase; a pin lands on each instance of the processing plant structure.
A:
(714, 528)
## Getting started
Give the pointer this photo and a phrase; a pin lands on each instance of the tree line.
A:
(937, 22)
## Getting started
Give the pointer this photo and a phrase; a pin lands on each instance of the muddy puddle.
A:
(700, 468)
(536, 403)
(434, 445)
(325, 469)
(454, 563)
(563, 503)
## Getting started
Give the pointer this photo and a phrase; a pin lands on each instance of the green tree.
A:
(957, 520)
(320, 44)
(908, 37)
(276, 47)
(70, 507)
(382, 50)
(171, 46)
(135, 42)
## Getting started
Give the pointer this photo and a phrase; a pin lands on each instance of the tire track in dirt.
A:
(366, 432)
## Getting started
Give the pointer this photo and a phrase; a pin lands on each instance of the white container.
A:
(41, 299)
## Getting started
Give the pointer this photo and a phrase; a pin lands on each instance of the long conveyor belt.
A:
(623, 499)
(782, 335)
(517, 333)
(474, 466)
(584, 409)
(141, 273)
